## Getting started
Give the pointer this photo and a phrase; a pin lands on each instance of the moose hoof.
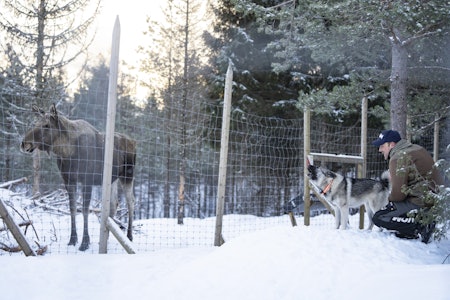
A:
(84, 243)
(72, 242)
(83, 246)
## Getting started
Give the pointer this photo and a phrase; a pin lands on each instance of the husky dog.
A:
(344, 193)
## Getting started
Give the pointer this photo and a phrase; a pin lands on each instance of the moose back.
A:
(79, 150)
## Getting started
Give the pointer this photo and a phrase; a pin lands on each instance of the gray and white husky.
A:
(343, 193)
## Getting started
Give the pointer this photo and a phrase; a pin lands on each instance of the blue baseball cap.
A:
(387, 136)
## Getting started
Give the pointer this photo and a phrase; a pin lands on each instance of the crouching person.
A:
(411, 168)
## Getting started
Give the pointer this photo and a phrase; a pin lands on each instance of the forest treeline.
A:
(286, 56)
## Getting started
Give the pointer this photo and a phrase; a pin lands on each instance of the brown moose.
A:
(79, 150)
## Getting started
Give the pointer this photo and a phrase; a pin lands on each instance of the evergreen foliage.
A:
(347, 44)
(286, 55)
(91, 100)
(440, 211)
(437, 201)
(257, 89)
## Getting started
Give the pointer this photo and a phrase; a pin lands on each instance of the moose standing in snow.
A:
(79, 150)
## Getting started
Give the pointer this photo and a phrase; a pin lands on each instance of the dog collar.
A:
(327, 188)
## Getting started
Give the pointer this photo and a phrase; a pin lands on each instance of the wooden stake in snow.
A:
(123, 240)
(109, 136)
(218, 238)
(15, 230)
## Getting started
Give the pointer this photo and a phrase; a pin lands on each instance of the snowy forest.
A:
(287, 56)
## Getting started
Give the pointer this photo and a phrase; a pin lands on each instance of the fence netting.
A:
(177, 166)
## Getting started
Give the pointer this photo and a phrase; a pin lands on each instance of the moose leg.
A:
(71, 191)
(87, 194)
(114, 201)
(129, 195)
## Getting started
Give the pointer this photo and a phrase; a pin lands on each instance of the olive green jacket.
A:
(412, 172)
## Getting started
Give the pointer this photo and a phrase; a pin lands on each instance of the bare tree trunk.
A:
(399, 78)
(40, 51)
(181, 193)
(44, 45)
(166, 199)
(182, 170)
(168, 124)
(8, 154)
(39, 87)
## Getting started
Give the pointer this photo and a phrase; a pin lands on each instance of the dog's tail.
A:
(385, 179)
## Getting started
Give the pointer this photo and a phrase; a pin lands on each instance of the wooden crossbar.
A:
(340, 158)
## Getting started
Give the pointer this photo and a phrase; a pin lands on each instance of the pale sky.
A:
(132, 16)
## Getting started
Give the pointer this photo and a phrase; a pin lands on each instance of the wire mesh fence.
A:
(178, 145)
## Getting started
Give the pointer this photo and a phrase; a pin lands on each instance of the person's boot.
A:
(406, 236)
(426, 231)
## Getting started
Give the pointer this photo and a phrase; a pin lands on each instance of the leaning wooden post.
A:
(109, 136)
(218, 238)
(363, 167)
(292, 218)
(118, 234)
(15, 230)
(306, 151)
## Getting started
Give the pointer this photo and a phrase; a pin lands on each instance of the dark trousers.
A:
(398, 216)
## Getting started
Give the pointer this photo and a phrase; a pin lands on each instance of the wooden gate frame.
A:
(359, 161)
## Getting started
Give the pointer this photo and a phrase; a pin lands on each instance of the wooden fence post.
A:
(118, 234)
(218, 238)
(15, 230)
(109, 136)
(307, 150)
(362, 168)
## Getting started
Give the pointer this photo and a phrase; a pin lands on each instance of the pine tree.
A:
(14, 93)
(258, 89)
(437, 201)
(46, 32)
(354, 36)
(174, 60)
(91, 100)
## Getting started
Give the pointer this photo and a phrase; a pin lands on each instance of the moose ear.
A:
(37, 109)
(53, 112)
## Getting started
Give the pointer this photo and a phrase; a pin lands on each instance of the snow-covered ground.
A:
(274, 262)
